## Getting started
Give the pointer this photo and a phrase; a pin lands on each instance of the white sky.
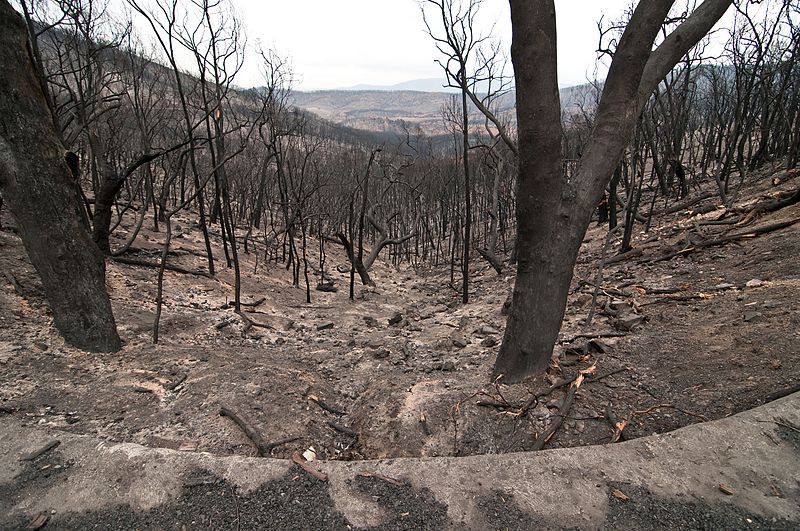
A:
(340, 43)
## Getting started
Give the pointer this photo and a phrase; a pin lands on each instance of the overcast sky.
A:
(340, 43)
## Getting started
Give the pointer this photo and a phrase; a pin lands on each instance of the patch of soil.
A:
(500, 511)
(698, 337)
(407, 507)
(296, 501)
(645, 511)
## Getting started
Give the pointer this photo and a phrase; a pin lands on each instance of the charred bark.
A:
(35, 180)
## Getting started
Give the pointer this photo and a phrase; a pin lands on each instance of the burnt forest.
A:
(198, 268)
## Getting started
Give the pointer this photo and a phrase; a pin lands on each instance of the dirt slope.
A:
(714, 332)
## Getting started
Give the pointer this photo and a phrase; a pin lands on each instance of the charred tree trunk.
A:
(35, 182)
(545, 241)
(355, 261)
(552, 214)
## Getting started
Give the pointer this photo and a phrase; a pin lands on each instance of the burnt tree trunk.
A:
(553, 213)
(35, 182)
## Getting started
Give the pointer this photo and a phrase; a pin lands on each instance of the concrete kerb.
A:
(747, 452)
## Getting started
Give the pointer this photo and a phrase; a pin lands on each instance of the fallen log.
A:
(493, 261)
(772, 205)
(752, 233)
(633, 253)
(597, 335)
(677, 207)
(174, 385)
(249, 323)
(168, 267)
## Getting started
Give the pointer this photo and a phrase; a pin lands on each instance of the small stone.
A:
(755, 283)
(724, 286)
(541, 412)
(327, 287)
(751, 317)
(459, 342)
(629, 321)
(41, 345)
(600, 346)
(371, 321)
(487, 330)
(583, 300)
(380, 353)
(489, 342)
(449, 365)
(396, 318)
(325, 326)
(618, 306)
(771, 305)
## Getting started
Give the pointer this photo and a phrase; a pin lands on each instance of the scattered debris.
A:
(621, 496)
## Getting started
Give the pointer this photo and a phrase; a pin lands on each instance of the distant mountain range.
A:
(433, 84)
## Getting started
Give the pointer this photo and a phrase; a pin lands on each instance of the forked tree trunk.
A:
(34, 180)
(552, 212)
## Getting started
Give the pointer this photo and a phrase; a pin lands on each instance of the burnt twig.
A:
(327, 407)
(343, 429)
(300, 461)
(551, 430)
(264, 448)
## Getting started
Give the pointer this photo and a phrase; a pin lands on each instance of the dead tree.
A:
(36, 183)
(553, 213)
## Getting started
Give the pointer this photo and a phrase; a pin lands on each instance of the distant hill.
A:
(386, 109)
